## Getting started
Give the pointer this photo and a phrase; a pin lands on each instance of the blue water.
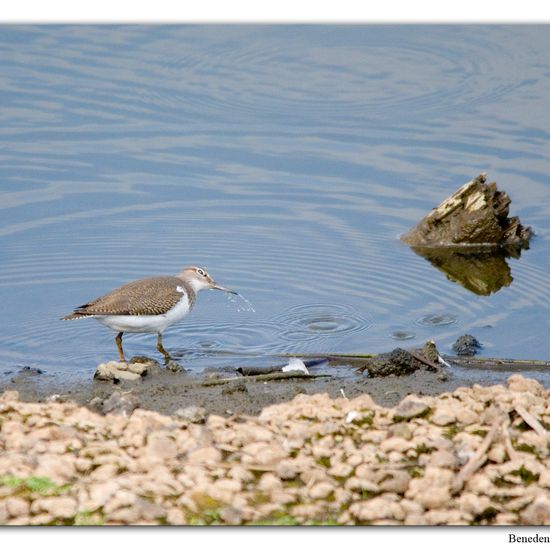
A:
(287, 160)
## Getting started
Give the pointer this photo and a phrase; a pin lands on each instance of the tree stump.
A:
(476, 214)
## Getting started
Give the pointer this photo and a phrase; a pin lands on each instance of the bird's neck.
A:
(190, 291)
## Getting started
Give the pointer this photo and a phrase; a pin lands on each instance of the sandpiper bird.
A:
(148, 305)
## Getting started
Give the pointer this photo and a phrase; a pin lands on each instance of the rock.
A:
(100, 494)
(144, 366)
(398, 362)
(466, 345)
(172, 366)
(262, 453)
(204, 456)
(9, 396)
(174, 516)
(17, 507)
(123, 403)
(321, 490)
(376, 509)
(286, 469)
(269, 483)
(518, 383)
(432, 490)
(104, 472)
(410, 407)
(401, 430)
(193, 414)
(58, 507)
(395, 481)
(396, 444)
(538, 512)
(59, 469)
(160, 446)
(120, 499)
(443, 415)
(115, 371)
(341, 470)
(441, 459)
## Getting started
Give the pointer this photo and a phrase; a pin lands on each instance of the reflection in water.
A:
(482, 270)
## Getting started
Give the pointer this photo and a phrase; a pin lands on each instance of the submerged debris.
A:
(467, 345)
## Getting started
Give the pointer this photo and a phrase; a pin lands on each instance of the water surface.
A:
(287, 160)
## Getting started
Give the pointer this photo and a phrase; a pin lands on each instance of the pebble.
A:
(193, 414)
(410, 407)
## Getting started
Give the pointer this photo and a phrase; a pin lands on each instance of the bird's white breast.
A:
(148, 323)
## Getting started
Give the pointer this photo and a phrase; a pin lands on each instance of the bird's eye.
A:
(201, 272)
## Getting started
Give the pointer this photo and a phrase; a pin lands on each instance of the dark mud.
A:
(228, 392)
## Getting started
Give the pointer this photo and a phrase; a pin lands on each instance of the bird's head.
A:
(199, 279)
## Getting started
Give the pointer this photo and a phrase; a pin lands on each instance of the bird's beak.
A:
(216, 286)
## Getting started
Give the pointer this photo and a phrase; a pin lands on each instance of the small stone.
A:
(440, 459)
(538, 512)
(205, 456)
(269, 482)
(321, 490)
(123, 403)
(59, 469)
(175, 516)
(396, 444)
(193, 414)
(401, 430)
(432, 490)
(100, 493)
(410, 407)
(377, 508)
(518, 383)
(115, 371)
(59, 507)
(341, 469)
(443, 416)
(161, 446)
(231, 515)
(173, 366)
(17, 507)
(120, 499)
(286, 469)
(395, 481)
(10, 396)
(104, 472)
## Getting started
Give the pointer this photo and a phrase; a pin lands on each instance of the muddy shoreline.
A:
(227, 393)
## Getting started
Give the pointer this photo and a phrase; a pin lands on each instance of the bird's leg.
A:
(119, 346)
(160, 347)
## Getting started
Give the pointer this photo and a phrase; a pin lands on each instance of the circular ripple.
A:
(315, 321)
(403, 335)
(437, 319)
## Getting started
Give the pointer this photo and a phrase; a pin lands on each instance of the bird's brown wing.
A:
(150, 296)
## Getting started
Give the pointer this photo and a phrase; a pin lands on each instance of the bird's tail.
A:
(74, 315)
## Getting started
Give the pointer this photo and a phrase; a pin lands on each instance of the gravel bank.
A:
(475, 455)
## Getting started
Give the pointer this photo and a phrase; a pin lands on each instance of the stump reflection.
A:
(482, 270)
